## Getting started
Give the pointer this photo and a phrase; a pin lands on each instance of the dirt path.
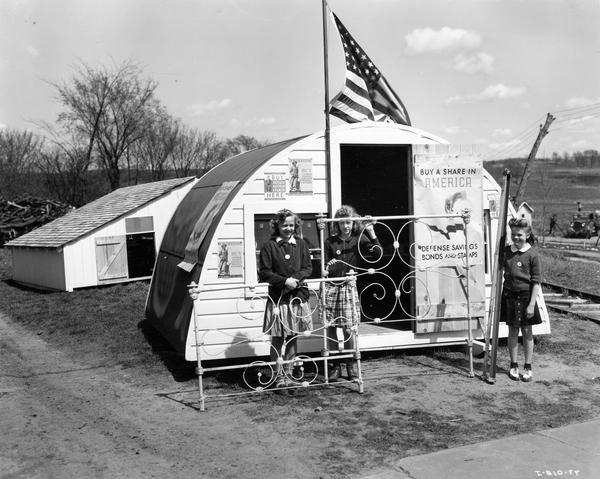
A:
(61, 419)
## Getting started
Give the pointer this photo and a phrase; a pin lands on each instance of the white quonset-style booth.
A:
(110, 240)
(413, 297)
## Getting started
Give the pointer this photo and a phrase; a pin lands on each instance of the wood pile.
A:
(21, 216)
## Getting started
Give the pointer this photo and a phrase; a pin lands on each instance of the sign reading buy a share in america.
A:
(448, 184)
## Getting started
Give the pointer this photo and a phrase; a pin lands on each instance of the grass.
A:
(555, 190)
(89, 324)
(559, 266)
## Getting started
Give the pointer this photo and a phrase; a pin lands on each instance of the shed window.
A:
(142, 224)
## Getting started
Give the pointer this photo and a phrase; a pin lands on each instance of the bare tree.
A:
(66, 160)
(18, 153)
(107, 110)
(195, 151)
(65, 172)
(154, 149)
(242, 143)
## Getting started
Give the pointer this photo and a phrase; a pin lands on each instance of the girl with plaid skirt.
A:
(522, 277)
(343, 252)
(285, 264)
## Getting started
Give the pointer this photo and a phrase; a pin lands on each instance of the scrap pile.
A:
(21, 216)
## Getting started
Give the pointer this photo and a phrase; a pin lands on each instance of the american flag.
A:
(366, 94)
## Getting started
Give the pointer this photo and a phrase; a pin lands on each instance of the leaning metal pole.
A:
(466, 220)
(491, 348)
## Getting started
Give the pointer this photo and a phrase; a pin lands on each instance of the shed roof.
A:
(95, 214)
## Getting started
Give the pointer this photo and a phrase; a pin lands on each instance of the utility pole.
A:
(527, 170)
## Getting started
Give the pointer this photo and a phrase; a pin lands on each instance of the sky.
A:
(482, 72)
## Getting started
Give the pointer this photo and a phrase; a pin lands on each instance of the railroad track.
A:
(568, 300)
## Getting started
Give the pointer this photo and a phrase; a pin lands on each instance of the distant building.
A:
(525, 210)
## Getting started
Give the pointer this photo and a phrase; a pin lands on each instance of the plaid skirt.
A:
(342, 306)
(513, 310)
(287, 319)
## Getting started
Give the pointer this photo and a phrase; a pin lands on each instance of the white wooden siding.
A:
(39, 267)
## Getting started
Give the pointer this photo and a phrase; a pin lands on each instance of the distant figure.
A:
(578, 207)
(522, 276)
(552, 224)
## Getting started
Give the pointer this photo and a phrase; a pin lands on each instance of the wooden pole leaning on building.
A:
(520, 193)
(491, 338)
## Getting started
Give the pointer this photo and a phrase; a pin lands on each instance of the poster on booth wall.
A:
(448, 184)
(300, 176)
(274, 186)
(230, 259)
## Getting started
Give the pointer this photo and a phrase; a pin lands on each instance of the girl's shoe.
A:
(352, 374)
(527, 375)
(514, 374)
(335, 374)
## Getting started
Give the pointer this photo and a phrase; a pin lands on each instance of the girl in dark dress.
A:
(522, 277)
(285, 264)
(343, 252)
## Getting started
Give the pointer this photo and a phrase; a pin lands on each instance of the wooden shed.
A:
(384, 170)
(112, 239)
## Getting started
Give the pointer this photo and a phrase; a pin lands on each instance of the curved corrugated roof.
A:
(93, 215)
(168, 307)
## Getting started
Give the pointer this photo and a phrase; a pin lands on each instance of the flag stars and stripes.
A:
(366, 94)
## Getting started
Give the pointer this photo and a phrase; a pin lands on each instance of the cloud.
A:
(198, 109)
(502, 132)
(480, 62)
(266, 121)
(578, 121)
(32, 51)
(579, 101)
(490, 93)
(423, 40)
(580, 145)
(451, 130)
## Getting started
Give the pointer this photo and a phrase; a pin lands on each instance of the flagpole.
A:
(327, 128)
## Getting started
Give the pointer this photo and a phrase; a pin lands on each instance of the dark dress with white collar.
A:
(287, 311)
(522, 269)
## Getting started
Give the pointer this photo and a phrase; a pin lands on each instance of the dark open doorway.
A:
(377, 181)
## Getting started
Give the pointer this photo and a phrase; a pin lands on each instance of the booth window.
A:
(310, 234)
